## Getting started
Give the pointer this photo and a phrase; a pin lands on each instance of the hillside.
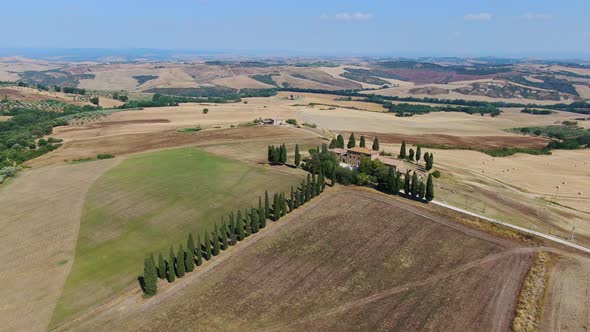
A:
(348, 260)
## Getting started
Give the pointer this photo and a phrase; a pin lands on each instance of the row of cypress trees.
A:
(428, 157)
(239, 226)
(412, 186)
(338, 142)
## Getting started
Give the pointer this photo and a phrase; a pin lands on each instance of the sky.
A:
(515, 28)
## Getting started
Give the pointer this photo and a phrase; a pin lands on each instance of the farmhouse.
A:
(274, 122)
(352, 157)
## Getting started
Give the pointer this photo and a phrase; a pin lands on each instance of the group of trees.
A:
(371, 173)
(21, 135)
(239, 226)
(338, 142)
(412, 184)
(277, 154)
(428, 157)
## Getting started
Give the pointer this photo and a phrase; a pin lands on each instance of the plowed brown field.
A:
(348, 260)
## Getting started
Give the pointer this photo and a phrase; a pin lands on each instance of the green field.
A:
(147, 203)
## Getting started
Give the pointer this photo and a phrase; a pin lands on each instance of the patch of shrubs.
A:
(104, 156)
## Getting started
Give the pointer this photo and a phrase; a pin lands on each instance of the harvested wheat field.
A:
(445, 123)
(567, 306)
(79, 146)
(319, 268)
(40, 218)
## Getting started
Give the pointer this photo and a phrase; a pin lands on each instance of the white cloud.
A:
(478, 17)
(535, 17)
(358, 16)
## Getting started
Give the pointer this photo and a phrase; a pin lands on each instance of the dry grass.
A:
(532, 295)
(40, 218)
(140, 142)
(310, 271)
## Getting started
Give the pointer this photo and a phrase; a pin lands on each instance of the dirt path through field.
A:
(40, 218)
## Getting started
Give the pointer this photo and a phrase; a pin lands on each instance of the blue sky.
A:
(542, 28)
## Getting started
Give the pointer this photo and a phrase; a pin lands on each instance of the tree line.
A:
(428, 157)
(238, 226)
(338, 142)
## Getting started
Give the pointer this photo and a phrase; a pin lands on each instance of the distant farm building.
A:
(274, 122)
(352, 157)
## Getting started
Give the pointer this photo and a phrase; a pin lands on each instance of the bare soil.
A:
(321, 269)
(467, 142)
(567, 307)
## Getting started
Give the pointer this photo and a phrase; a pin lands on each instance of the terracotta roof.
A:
(363, 151)
(398, 163)
(338, 150)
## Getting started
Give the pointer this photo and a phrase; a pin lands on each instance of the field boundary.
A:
(518, 228)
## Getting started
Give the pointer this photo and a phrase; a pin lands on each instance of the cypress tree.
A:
(207, 246)
(313, 186)
(296, 201)
(340, 140)
(292, 200)
(318, 186)
(322, 181)
(284, 204)
(275, 207)
(407, 183)
(224, 239)
(297, 156)
(421, 190)
(266, 205)
(240, 230)
(247, 225)
(199, 249)
(150, 277)
(351, 141)
(238, 218)
(190, 254)
(301, 195)
(232, 224)
(171, 266)
(362, 143)
(415, 185)
(261, 216)
(418, 153)
(255, 225)
(180, 259)
(429, 189)
(333, 143)
(376, 144)
(398, 182)
(161, 266)
(411, 156)
(430, 162)
(390, 187)
(402, 150)
(284, 154)
(270, 154)
(216, 242)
